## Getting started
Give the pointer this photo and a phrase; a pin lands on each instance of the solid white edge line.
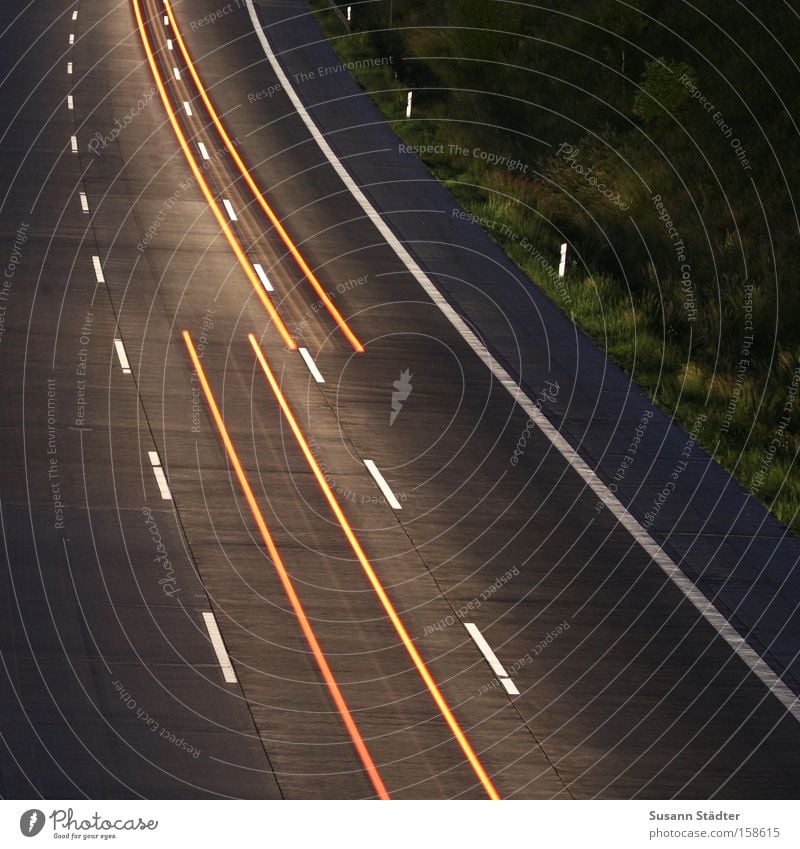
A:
(218, 645)
(382, 485)
(704, 607)
(312, 366)
(84, 202)
(98, 269)
(70, 102)
(229, 209)
(486, 650)
(122, 356)
(203, 151)
(262, 276)
(73, 143)
(187, 107)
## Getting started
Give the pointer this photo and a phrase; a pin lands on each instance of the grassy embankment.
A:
(706, 316)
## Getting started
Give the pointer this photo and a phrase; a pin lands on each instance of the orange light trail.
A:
(274, 220)
(232, 240)
(286, 581)
(425, 674)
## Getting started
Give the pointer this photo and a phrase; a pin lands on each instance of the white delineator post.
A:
(408, 104)
(562, 265)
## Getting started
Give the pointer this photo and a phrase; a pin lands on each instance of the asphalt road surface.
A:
(273, 522)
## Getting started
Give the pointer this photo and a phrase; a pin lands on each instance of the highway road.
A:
(304, 488)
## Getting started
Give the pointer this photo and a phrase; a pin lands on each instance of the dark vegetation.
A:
(698, 104)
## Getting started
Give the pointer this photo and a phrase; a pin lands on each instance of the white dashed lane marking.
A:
(312, 366)
(382, 485)
(218, 645)
(122, 355)
(161, 478)
(491, 658)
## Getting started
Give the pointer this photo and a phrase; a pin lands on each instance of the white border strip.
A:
(690, 591)
(223, 658)
(382, 485)
(312, 366)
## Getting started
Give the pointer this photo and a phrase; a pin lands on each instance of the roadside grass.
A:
(688, 367)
